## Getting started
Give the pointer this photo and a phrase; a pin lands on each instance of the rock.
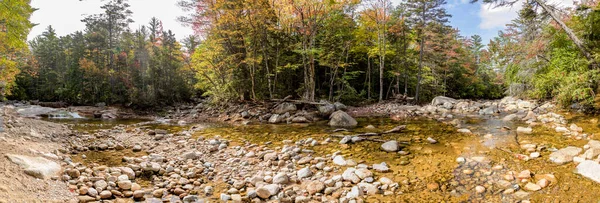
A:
(137, 148)
(431, 140)
(521, 195)
(300, 119)
(275, 118)
(73, 173)
(86, 199)
(464, 130)
(272, 188)
(382, 167)
(285, 107)
(304, 173)
(346, 139)
(135, 187)
(534, 155)
(433, 186)
(190, 155)
(489, 110)
(125, 185)
(190, 199)
(354, 193)
(158, 193)
(178, 191)
(208, 190)
(128, 171)
(341, 119)
(280, 178)
(315, 187)
(363, 173)
(524, 130)
(236, 198)
(339, 160)
(263, 193)
(326, 109)
(369, 188)
(225, 197)
(105, 194)
(526, 174)
(564, 155)
(543, 183)
(503, 184)
(350, 175)
(479, 189)
(532, 187)
(509, 117)
(461, 160)
(38, 167)
(138, 194)
(339, 106)
(576, 128)
(92, 192)
(390, 146)
(589, 169)
(591, 153)
(100, 184)
(594, 144)
(440, 100)
(560, 129)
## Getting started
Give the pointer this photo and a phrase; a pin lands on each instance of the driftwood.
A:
(362, 138)
(287, 99)
(367, 136)
(393, 130)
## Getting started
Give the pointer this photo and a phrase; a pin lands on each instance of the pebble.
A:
(479, 189)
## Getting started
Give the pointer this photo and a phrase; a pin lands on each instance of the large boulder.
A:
(440, 100)
(589, 169)
(339, 106)
(326, 109)
(565, 155)
(38, 167)
(341, 119)
(284, 108)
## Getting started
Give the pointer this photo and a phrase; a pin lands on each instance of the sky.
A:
(65, 16)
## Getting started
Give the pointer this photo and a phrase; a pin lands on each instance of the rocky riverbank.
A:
(471, 151)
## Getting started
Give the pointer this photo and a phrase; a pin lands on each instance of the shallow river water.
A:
(429, 172)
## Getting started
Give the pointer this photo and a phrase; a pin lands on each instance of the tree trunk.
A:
(567, 30)
(368, 77)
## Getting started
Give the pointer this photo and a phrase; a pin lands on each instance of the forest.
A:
(340, 50)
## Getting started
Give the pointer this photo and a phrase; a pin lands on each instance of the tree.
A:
(14, 28)
(550, 11)
(425, 13)
(380, 13)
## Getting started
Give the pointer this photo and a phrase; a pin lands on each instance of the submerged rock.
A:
(342, 119)
(589, 169)
(565, 155)
(390, 146)
(524, 130)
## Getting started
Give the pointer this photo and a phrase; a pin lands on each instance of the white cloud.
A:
(497, 17)
(65, 15)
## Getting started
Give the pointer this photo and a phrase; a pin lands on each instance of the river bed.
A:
(426, 172)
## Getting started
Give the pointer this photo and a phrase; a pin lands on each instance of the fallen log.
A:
(362, 138)
(393, 130)
(298, 101)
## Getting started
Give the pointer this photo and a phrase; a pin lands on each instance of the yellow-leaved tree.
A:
(14, 28)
